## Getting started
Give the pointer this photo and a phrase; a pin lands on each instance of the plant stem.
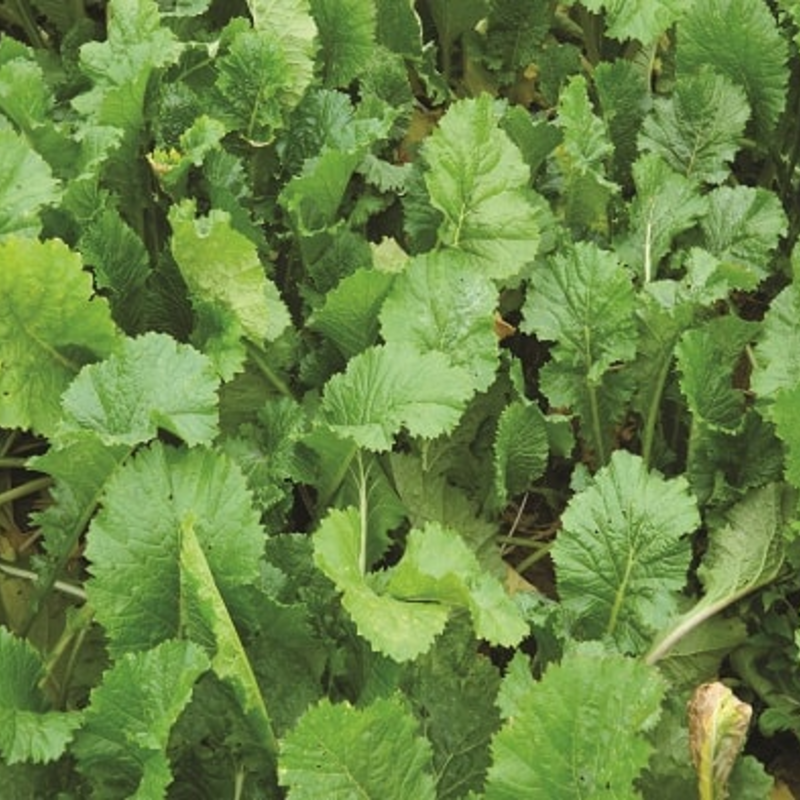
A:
(533, 558)
(653, 411)
(24, 489)
(12, 463)
(27, 22)
(363, 514)
(258, 357)
(61, 586)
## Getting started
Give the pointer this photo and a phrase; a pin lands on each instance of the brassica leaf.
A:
(477, 178)
(346, 37)
(644, 20)
(28, 730)
(50, 326)
(586, 722)
(339, 752)
(623, 553)
(393, 386)
(124, 399)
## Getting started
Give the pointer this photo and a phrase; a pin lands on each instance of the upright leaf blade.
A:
(623, 553)
(347, 37)
(579, 732)
(124, 399)
(477, 179)
(50, 326)
(122, 748)
(134, 541)
(341, 752)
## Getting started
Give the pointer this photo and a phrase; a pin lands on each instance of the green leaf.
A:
(398, 27)
(28, 731)
(221, 266)
(121, 66)
(623, 553)
(644, 20)
(743, 226)
(454, 19)
(514, 35)
(437, 572)
(125, 399)
(292, 27)
(777, 356)
(122, 747)
(50, 325)
(452, 688)
(744, 554)
(120, 264)
(583, 301)
(520, 449)
(349, 316)
(582, 158)
(253, 82)
(393, 386)
(340, 752)
(477, 179)
(666, 204)
(707, 358)
(698, 130)
(399, 629)
(26, 185)
(740, 40)
(784, 413)
(134, 541)
(205, 618)
(585, 721)
(346, 37)
(441, 303)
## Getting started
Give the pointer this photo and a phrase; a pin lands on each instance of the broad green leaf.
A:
(253, 81)
(399, 629)
(125, 399)
(744, 554)
(583, 301)
(666, 204)
(51, 324)
(393, 386)
(120, 265)
(437, 566)
(346, 37)
(205, 618)
(292, 27)
(623, 553)
(623, 91)
(120, 67)
(582, 158)
(707, 358)
(740, 40)
(586, 722)
(453, 689)
(398, 27)
(514, 35)
(442, 303)
(349, 316)
(28, 731)
(698, 130)
(220, 265)
(312, 199)
(777, 356)
(520, 449)
(26, 185)
(644, 20)
(340, 752)
(134, 541)
(122, 749)
(535, 138)
(477, 178)
(743, 226)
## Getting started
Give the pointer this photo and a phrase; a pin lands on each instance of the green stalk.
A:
(258, 357)
(12, 463)
(533, 558)
(653, 412)
(27, 21)
(363, 515)
(27, 575)
(24, 489)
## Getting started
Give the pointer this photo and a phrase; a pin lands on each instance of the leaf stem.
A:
(533, 558)
(363, 514)
(61, 586)
(258, 357)
(653, 411)
(25, 489)
(12, 463)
